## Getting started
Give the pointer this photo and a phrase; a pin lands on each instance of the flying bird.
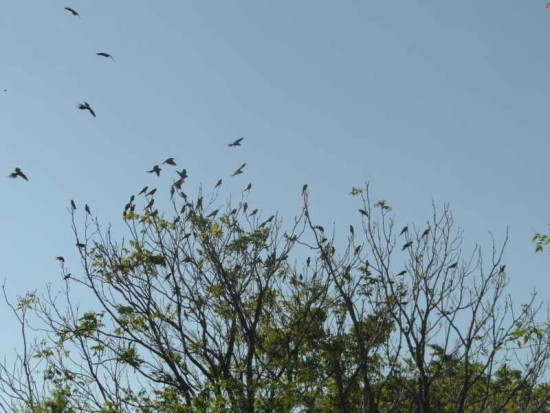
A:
(156, 169)
(170, 161)
(86, 106)
(106, 55)
(240, 170)
(18, 173)
(236, 143)
(183, 174)
(72, 11)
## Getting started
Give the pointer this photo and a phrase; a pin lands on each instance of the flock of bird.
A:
(18, 173)
(156, 169)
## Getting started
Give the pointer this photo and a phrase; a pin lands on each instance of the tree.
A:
(216, 309)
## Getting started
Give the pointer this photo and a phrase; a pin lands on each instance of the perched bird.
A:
(452, 265)
(212, 214)
(107, 55)
(151, 192)
(304, 188)
(87, 209)
(426, 232)
(236, 143)
(218, 184)
(253, 213)
(407, 245)
(402, 272)
(80, 245)
(170, 161)
(61, 259)
(240, 170)
(72, 11)
(18, 173)
(150, 204)
(67, 276)
(86, 106)
(144, 190)
(73, 205)
(351, 229)
(363, 212)
(319, 227)
(156, 169)
(248, 187)
(405, 229)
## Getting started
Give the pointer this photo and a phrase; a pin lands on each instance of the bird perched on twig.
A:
(86, 106)
(60, 259)
(218, 184)
(236, 143)
(106, 55)
(18, 173)
(72, 11)
(240, 170)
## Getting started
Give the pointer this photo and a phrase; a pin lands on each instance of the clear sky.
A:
(427, 100)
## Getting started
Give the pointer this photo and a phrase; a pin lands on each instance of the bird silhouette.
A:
(170, 161)
(240, 170)
(86, 106)
(363, 212)
(151, 192)
(236, 143)
(144, 190)
(18, 173)
(212, 214)
(106, 55)
(304, 188)
(80, 245)
(183, 174)
(72, 11)
(61, 259)
(156, 169)
(150, 204)
(405, 229)
(452, 266)
(407, 245)
(426, 232)
(218, 184)
(87, 209)
(351, 229)
(253, 213)
(402, 272)
(248, 187)
(73, 205)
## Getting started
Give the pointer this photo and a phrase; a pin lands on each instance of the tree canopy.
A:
(209, 306)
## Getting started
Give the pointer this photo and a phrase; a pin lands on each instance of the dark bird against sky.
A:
(18, 173)
(86, 106)
(72, 11)
(236, 143)
(106, 55)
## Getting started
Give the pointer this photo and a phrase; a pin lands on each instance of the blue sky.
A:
(428, 101)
